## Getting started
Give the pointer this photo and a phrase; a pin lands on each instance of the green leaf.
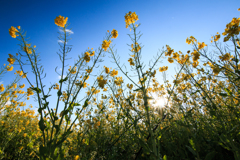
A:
(228, 91)
(191, 150)
(45, 97)
(223, 94)
(41, 124)
(59, 93)
(36, 89)
(210, 155)
(45, 105)
(144, 145)
(43, 150)
(86, 103)
(63, 80)
(165, 157)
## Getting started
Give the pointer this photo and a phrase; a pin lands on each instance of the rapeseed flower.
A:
(86, 57)
(114, 73)
(130, 18)
(162, 69)
(61, 21)
(13, 31)
(201, 45)
(114, 33)
(101, 81)
(106, 44)
(106, 70)
(1, 88)
(130, 60)
(9, 68)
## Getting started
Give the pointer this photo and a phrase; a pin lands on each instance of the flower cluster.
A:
(86, 57)
(72, 70)
(29, 92)
(118, 81)
(101, 81)
(61, 21)
(225, 57)
(217, 37)
(27, 50)
(11, 60)
(232, 29)
(106, 44)
(9, 68)
(106, 70)
(190, 40)
(169, 51)
(13, 31)
(130, 18)
(56, 86)
(162, 69)
(114, 33)
(196, 55)
(1, 88)
(130, 60)
(113, 73)
(201, 45)
(135, 48)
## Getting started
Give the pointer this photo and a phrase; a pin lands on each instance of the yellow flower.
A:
(101, 82)
(130, 60)
(225, 57)
(9, 68)
(201, 45)
(77, 157)
(56, 86)
(114, 33)
(114, 73)
(27, 50)
(106, 70)
(72, 71)
(1, 88)
(162, 69)
(118, 81)
(60, 21)
(217, 37)
(170, 60)
(130, 18)
(19, 72)
(29, 92)
(169, 51)
(12, 32)
(190, 40)
(11, 60)
(216, 70)
(22, 86)
(130, 86)
(92, 54)
(136, 48)
(86, 57)
(106, 44)
(24, 75)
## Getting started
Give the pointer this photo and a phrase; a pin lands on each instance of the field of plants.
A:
(115, 116)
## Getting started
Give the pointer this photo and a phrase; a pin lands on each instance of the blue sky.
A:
(162, 22)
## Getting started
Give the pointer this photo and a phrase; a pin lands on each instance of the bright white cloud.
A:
(60, 41)
(69, 31)
(59, 77)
